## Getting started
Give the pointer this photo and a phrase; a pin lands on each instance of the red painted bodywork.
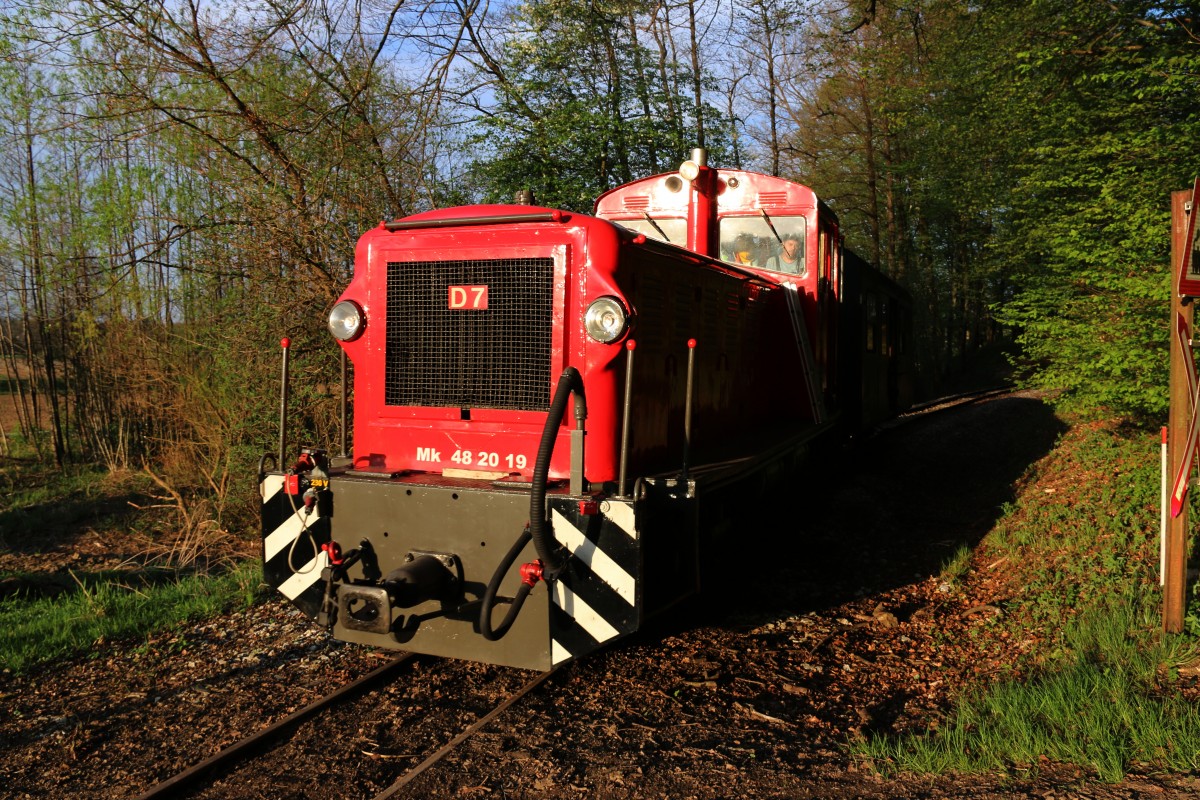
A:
(739, 193)
(734, 314)
(733, 373)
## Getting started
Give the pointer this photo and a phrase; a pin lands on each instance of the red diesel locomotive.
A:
(544, 403)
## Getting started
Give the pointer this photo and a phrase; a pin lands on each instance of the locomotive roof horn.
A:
(692, 168)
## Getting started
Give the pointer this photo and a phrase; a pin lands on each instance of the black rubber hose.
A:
(262, 466)
(489, 596)
(552, 560)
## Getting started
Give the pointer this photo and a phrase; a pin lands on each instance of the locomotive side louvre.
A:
(734, 319)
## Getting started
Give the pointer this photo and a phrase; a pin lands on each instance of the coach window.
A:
(885, 338)
(766, 241)
(872, 320)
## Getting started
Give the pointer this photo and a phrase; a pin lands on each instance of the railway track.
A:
(190, 781)
(260, 744)
(471, 730)
(923, 410)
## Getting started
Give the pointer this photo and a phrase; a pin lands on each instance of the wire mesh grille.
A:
(498, 357)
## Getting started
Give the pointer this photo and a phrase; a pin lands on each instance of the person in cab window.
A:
(743, 251)
(789, 257)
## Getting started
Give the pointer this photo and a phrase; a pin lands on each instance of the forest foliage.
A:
(183, 184)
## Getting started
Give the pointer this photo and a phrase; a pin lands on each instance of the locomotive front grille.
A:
(445, 350)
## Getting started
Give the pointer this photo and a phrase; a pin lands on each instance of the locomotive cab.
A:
(778, 229)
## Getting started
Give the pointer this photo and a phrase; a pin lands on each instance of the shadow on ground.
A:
(892, 509)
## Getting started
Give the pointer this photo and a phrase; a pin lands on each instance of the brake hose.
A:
(551, 555)
(489, 596)
(552, 561)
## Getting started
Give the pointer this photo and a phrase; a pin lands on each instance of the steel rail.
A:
(171, 786)
(470, 731)
(945, 403)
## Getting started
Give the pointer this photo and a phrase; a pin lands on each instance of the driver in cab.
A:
(789, 258)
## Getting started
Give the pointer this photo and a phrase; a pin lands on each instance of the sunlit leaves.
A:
(1088, 240)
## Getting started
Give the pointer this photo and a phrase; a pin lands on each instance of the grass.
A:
(184, 568)
(957, 565)
(38, 631)
(1081, 542)
(41, 499)
(1106, 707)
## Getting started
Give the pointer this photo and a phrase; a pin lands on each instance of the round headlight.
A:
(606, 320)
(346, 321)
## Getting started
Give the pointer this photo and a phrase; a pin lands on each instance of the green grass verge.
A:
(38, 631)
(1106, 708)
(1082, 541)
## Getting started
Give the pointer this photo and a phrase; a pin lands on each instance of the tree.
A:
(1085, 229)
(768, 31)
(576, 111)
(186, 189)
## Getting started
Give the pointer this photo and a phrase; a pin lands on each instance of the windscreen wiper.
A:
(650, 219)
(770, 224)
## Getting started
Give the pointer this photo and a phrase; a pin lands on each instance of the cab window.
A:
(665, 229)
(775, 242)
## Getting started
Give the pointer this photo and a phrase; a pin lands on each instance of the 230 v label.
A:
(475, 458)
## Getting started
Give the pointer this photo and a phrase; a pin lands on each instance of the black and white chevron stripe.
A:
(291, 539)
(598, 597)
